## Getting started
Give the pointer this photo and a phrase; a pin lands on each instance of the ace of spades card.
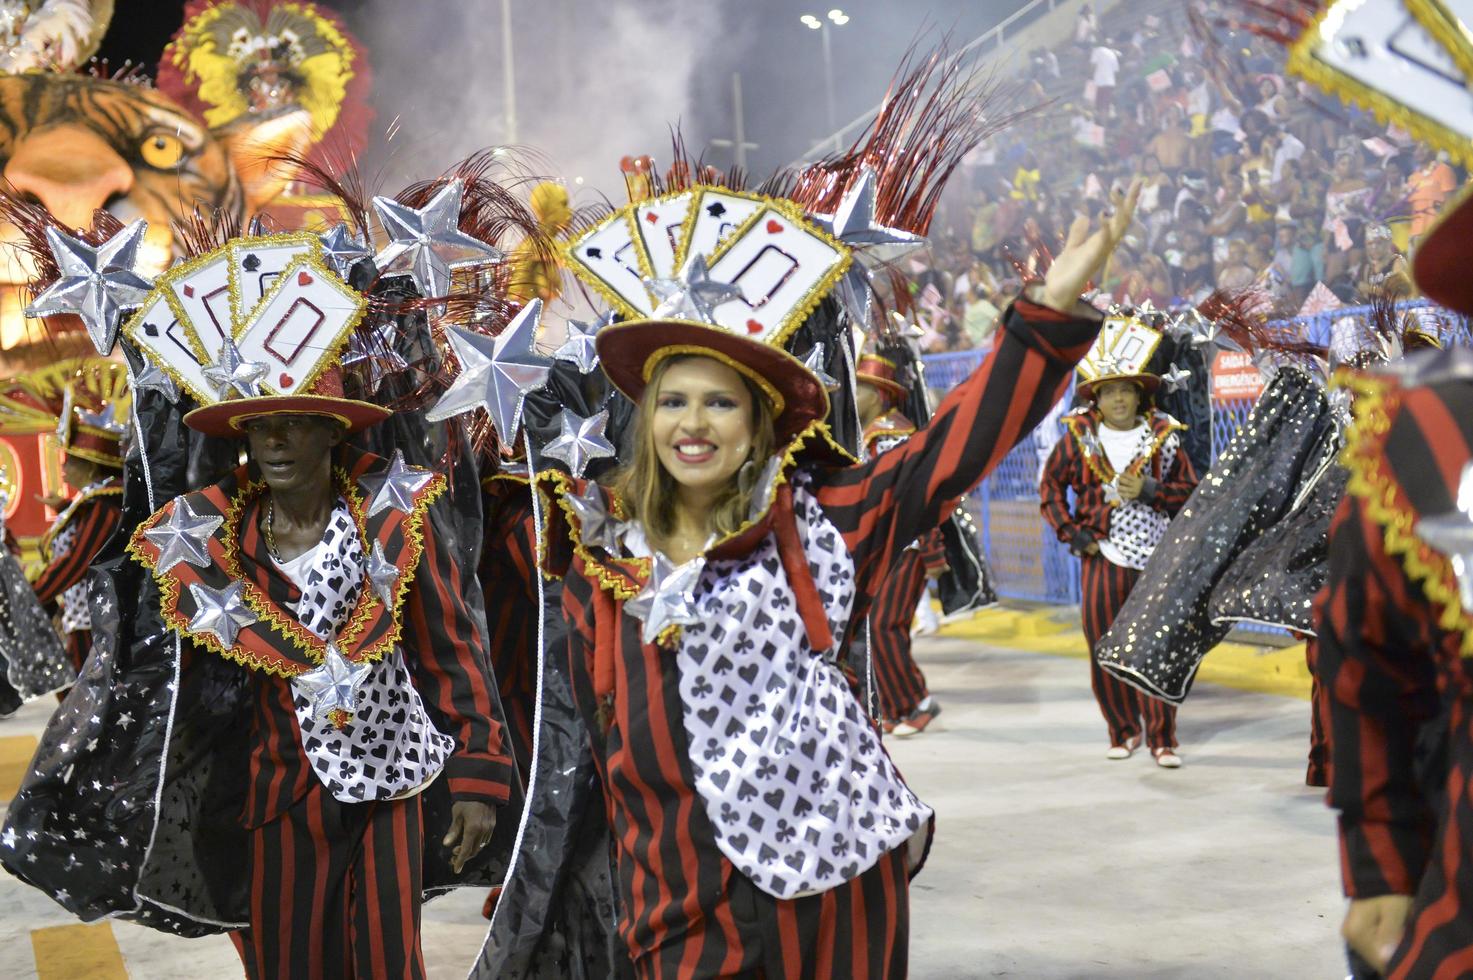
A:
(614, 264)
(257, 263)
(715, 214)
(298, 328)
(157, 331)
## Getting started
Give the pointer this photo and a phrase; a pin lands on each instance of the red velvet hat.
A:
(325, 397)
(880, 372)
(94, 436)
(630, 353)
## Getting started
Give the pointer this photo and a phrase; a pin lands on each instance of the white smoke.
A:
(595, 80)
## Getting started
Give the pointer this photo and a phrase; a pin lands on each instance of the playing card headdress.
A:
(720, 273)
(254, 328)
(1410, 63)
(1120, 353)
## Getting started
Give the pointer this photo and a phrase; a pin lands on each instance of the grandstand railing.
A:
(1027, 561)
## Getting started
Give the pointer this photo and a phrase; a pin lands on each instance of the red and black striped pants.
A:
(859, 931)
(901, 684)
(1318, 771)
(1103, 586)
(1438, 942)
(335, 892)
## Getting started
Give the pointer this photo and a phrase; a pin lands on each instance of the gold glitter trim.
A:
(227, 540)
(1094, 456)
(776, 400)
(1375, 403)
(1446, 29)
(1387, 110)
(65, 517)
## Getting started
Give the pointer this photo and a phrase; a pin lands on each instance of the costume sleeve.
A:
(1376, 666)
(450, 662)
(590, 665)
(933, 552)
(1169, 494)
(883, 505)
(95, 522)
(1053, 491)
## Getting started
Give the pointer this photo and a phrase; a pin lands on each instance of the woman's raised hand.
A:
(1084, 253)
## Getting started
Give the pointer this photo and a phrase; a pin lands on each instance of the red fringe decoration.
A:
(1246, 316)
(934, 113)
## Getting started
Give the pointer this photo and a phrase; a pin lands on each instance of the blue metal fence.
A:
(1028, 562)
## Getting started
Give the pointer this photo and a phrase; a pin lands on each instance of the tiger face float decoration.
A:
(76, 144)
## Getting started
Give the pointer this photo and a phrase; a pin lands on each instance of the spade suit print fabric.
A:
(390, 746)
(787, 764)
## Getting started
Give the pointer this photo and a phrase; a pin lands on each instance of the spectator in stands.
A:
(1428, 187)
(1345, 213)
(1384, 270)
(1172, 147)
(1104, 64)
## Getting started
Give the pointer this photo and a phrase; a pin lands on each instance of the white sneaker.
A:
(1166, 758)
(1118, 752)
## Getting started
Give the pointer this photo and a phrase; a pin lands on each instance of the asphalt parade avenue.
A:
(1050, 861)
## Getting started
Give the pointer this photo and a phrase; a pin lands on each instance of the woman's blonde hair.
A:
(648, 490)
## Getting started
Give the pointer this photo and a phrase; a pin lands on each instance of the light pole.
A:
(836, 18)
(738, 143)
(508, 73)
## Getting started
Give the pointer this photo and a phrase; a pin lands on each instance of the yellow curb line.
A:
(70, 952)
(15, 758)
(1263, 670)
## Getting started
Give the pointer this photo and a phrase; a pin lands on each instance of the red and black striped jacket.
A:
(887, 432)
(1394, 643)
(444, 645)
(672, 876)
(1070, 467)
(95, 518)
(506, 573)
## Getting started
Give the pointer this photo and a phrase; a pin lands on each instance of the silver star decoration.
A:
(855, 295)
(580, 441)
(813, 361)
(693, 295)
(124, 720)
(1204, 333)
(580, 348)
(335, 685)
(343, 249)
(853, 223)
(182, 537)
(399, 486)
(378, 350)
(426, 243)
(233, 376)
(1176, 379)
(668, 598)
(106, 420)
(97, 284)
(762, 489)
(596, 527)
(1452, 534)
(496, 373)
(220, 611)
(8, 839)
(154, 378)
(383, 575)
